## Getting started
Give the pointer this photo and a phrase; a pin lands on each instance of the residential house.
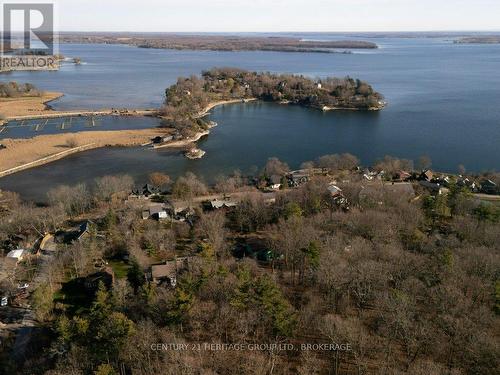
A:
(158, 212)
(91, 282)
(368, 175)
(489, 187)
(334, 190)
(217, 204)
(146, 191)
(85, 230)
(433, 187)
(426, 175)
(467, 183)
(337, 196)
(442, 180)
(296, 179)
(168, 271)
(402, 176)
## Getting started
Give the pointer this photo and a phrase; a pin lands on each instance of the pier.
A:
(104, 112)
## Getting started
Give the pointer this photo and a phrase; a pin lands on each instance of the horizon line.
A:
(287, 31)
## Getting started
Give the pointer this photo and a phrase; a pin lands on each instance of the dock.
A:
(104, 112)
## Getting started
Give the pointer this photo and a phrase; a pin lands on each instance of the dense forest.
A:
(398, 283)
(187, 99)
(14, 90)
(216, 42)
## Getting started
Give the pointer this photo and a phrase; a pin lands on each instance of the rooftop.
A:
(17, 254)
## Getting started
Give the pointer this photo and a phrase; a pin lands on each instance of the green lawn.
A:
(120, 268)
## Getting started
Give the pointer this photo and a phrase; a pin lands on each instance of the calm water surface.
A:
(444, 101)
(32, 128)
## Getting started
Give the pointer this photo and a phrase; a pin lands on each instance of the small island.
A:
(190, 99)
(195, 153)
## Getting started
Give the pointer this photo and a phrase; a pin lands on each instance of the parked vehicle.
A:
(4, 302)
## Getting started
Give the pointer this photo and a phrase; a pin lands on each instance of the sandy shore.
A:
(20, 152)
(26, 106)
(211, 106)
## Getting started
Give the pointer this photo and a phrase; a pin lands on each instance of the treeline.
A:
(15, 90)
(187, 99)
(411, 285)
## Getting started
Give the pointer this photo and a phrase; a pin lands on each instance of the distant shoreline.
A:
(210, 42)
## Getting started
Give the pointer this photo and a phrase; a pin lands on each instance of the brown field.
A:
(25, 106)
(23, 151)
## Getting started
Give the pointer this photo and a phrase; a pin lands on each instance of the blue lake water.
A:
(444, 101)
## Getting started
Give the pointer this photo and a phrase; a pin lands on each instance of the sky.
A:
(276, 15)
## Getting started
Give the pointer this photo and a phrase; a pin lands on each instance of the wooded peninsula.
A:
(483, 39)
(215, 42)
(187, 100)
